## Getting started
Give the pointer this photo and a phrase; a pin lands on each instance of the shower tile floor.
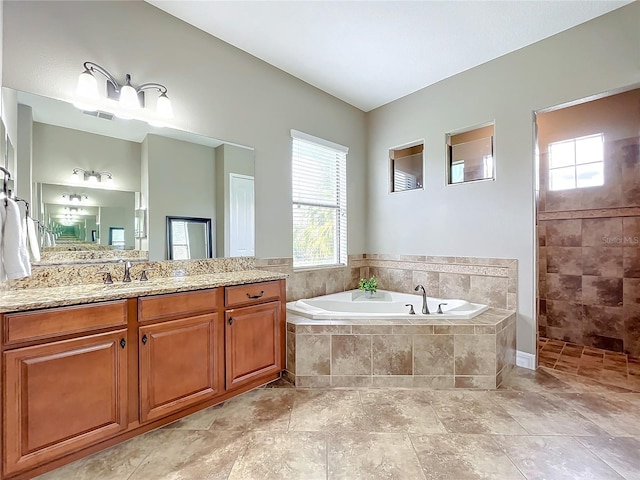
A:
(612, 368)
(544, 424)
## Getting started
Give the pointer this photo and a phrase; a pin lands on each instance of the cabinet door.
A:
(181, 364)
(63, 396)
(252, 343)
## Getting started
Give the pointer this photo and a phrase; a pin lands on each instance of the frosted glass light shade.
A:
(87, 86)
(163, 107)
(129, 97)
(75, 176)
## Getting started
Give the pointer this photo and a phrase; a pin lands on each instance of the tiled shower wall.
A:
(589, 254)
(483, 280)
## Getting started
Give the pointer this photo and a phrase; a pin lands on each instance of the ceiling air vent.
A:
(98, 114)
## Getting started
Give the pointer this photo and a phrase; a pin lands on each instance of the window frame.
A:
(575, 164)
(339, 207)
(476, 133)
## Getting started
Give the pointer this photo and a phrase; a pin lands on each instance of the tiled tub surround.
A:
(491, 281)
(421, 353)
(589, 257)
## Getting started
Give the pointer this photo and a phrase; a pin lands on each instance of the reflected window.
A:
(180, 240)
(576, 163)
(470, 155)
(406, 167)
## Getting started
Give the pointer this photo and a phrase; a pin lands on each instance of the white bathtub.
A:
(383, 305)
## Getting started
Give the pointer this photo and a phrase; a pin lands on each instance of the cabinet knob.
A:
(144, 339)
(230, 320)
(253, 297)
(123, 342)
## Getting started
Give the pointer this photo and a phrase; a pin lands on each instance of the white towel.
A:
(32, 240)
(3, 216)
(14, 247)
(53, 239)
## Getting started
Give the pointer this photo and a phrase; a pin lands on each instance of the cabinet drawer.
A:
(177, 304)
(57, 322)
(251, 293)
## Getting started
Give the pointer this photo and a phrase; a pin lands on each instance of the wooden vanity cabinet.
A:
(62, 395)
(181, 354)
(254, 332)
(78, 379)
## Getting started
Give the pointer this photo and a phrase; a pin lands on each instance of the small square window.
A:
(406, 165)
(470, 155)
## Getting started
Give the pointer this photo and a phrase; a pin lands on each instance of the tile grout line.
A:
(595, 454)
(416, 454)
(141, 463)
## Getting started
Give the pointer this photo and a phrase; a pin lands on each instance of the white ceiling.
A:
(369, 53)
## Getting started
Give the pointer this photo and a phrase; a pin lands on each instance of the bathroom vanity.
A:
(79, 378)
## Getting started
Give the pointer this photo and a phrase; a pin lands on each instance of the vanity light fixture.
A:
(74, 197)
(91, 176)
(123, 100)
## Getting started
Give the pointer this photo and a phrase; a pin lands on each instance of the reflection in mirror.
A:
(406, 167)
(188, 238)
(86, 216)
(470, 155)
(154, 166)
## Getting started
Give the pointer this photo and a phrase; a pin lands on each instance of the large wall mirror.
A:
(129, 178)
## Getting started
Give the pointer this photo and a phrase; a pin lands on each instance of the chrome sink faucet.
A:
(425, 307)
(127, 271)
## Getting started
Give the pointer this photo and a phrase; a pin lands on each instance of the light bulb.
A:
(87, 86)
(129, 97)
(109, 180)
(75, 176)
(75, 199)
(93, 178)
(163, 106)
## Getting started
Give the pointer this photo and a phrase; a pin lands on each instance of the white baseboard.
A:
(525, 360)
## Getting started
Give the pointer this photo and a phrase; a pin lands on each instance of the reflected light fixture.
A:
(123, 100)
(74, 197)
(91, 176)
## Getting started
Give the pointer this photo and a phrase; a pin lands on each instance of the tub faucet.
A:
(425, 307)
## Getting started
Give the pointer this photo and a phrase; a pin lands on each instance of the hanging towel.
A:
(14, 246)
(32, 240)
(53, 239)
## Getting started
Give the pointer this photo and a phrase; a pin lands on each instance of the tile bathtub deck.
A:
(540, 425)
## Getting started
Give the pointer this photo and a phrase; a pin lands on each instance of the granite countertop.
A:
(36, 298)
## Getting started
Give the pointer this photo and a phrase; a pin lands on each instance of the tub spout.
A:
(425, 307)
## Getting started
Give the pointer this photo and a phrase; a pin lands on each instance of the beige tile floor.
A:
(541, 425)
(612, 368)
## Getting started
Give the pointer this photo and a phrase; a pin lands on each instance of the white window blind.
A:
(319, 187)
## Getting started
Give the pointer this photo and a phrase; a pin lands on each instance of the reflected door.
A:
(241, 221)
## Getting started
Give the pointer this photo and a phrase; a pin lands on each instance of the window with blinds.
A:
(319, 188)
